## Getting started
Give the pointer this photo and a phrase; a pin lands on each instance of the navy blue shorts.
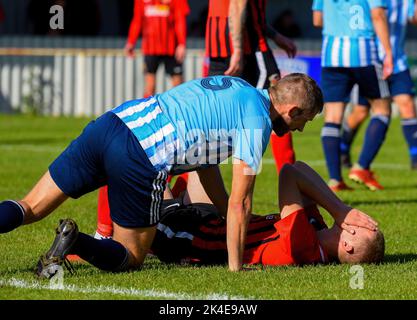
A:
(108, 153)
(337, 83)
(399, 83)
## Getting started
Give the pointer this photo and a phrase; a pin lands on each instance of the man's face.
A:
(292, 120)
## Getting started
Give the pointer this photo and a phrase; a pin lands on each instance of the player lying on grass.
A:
(192, 230)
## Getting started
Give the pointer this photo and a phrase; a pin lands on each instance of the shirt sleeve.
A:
(136, 24)
(377, 3)
(411, 9)
(251, 139)
(317, 5)
(181, 11)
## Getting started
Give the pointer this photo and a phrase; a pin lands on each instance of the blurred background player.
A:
(236, 44)
(163, 26)
(349, 56)
(402, 90)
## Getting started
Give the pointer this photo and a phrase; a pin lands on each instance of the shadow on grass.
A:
(400, 258)
(34, 141)
(381, 202)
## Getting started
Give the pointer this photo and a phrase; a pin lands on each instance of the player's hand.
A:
(357, 218)
(388, 67)
(286, 44)
(236, 64)
(180, 53)
(129, 50)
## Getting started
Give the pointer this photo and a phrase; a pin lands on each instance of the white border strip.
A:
(131, 292)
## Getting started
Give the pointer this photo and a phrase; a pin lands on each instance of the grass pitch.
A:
(28, 145)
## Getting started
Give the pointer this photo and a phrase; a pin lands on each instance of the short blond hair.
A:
(298, 88)
(370, 249)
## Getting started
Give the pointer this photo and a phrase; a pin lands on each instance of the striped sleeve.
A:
(377, 3)
(411, 8)
(317, 5)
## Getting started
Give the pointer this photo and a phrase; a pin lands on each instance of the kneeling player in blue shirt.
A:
(133, 147)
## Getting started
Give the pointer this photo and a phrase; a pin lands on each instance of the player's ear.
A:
(347, 247)
(294, 111)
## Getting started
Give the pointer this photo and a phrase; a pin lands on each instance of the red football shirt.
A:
(294, 242)
(269, 240)
(218, 41)
(162, 24)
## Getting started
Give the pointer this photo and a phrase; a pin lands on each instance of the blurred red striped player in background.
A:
(236, 43)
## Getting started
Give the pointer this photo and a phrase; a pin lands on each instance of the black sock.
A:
(105, 254)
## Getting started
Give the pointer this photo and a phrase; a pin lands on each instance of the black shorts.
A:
(172, 66)
(218, 66)
(259, 68)
(176, 230)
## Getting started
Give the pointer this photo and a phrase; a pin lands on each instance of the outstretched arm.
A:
(379, 20)
(237, 17)
(238, 213)
(300, 180)
(134, 29)
(282, 42)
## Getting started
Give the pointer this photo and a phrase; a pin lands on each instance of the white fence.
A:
(76, 81)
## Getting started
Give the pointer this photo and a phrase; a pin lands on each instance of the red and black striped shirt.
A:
(218, 41)
(162, 24)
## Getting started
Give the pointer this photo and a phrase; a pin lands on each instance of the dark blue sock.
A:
(106, 254)
(330, 139)
(410, 134)
(11, 215)
(347, 137)
(374, 137)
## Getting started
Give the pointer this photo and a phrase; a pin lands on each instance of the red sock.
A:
(180, 185)
(104, 222)
(282, 150)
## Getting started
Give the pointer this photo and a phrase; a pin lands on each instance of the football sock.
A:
(106, 254)
(180, 185)
(282, 149)
(330, 138)
(410, 133)
(11, 215)
(104, 222)
(374, 137)
(348, 134)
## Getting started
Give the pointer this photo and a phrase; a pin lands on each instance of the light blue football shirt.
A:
(349, 38)
(201, 123)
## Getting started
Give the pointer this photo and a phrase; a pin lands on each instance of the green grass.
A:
(28, 145)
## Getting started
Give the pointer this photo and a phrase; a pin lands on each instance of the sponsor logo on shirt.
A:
(159, 10)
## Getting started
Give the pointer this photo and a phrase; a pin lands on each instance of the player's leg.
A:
(409, 124)
(403, 92)
(336, 84)
(44, 198)
(195, 191)
(151, 66)
(174, 69)
(351, 125)
(370, 82)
